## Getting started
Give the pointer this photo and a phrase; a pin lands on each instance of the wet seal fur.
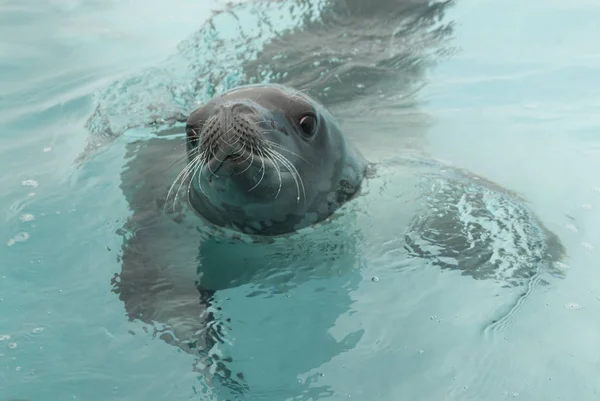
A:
(268, 194)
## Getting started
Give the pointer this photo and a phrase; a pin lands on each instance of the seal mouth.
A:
(237, 164)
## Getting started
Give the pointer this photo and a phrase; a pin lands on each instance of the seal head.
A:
(269, 160)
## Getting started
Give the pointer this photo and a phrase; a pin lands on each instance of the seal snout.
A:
(232, 139)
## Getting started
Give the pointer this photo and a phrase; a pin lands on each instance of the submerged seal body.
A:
(269, 160)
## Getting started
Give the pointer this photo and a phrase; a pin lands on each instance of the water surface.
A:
(505, 90)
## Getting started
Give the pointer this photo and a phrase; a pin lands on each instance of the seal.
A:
(271, 195)
(268, 160)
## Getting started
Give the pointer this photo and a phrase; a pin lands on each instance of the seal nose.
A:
(228, 112)
(229, 141)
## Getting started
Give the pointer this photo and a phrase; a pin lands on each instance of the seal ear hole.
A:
(308, 124)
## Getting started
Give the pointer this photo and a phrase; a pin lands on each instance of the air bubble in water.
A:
(571, 227)
(48, 149)
(4, 337)
(12, 345)
(375, 279)
(30, 183)
(21, 237)
(37, 330)
(27, 217)
(573, 305)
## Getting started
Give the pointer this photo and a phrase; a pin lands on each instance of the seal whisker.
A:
(186, 177)
(222, 137)
(285, 163)
(293, 171)
(212, 151)
(179, 177)
(191, 154)
(197, 165)
(251, 161)
(246, 159)
(263, 168)
(270, 158)
(179, 158)
(199, 168)
(188, 154)
(276, 145)
(241, 147)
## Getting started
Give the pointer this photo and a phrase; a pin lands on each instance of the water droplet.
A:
(18, 368)
(48, 149)
(588, 246)
(37, 330)
(421, 351)
(27, 217)
(573, 305)
(4, 337)
(30, 183)
(375, 279)
(12, 345)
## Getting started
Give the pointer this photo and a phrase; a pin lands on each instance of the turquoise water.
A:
(506, 90)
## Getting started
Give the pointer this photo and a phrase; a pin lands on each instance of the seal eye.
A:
(308, 124)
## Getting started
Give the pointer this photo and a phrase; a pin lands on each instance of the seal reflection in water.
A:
(267, 160)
